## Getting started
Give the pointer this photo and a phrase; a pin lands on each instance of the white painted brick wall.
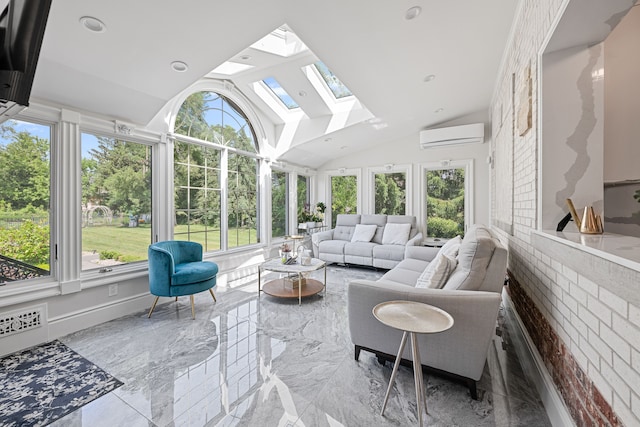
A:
(599, 326)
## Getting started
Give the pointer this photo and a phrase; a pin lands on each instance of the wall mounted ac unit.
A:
(465, 134)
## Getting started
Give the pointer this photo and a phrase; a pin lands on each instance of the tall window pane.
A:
(390, 193)
(344, 196)
(197, 195)
(279, 204)
(116, 201)
(24, 200)
(445, 202)
(304, 198)
(242, 202)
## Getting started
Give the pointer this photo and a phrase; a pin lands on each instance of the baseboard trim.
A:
(74, 321)
(532, 363)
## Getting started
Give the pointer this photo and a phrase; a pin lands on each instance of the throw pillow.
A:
(364, 232)
(437, 272)
(396, 234)
(450, 248)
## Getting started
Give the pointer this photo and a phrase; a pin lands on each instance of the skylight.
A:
(338, 88)
(281, 41)
(230, 68)
(282, 94)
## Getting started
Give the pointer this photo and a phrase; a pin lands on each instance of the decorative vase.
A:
(591, 223)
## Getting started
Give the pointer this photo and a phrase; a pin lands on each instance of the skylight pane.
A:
(338, 88)
(280, 93)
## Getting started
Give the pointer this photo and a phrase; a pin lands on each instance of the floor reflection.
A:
(253, 360)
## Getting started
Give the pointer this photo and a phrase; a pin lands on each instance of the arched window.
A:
(226, 153)
(212, 117)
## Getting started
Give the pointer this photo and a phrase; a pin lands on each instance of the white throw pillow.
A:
(437, 272)
(396, 234)
(450, 248)
(364, 232)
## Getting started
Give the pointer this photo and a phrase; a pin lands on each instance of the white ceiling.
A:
(124, 73)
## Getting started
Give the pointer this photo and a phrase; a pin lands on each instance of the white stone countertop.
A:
(623, 250)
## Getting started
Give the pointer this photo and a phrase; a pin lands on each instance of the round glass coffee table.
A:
(295, 285)
(412, 318)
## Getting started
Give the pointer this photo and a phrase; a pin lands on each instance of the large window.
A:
(24, 200)
(201, 171)
(344, 196)
(304, 196)
(197, 195)
(116, 201)
(279, 203)
(390, 193)
(445, 202)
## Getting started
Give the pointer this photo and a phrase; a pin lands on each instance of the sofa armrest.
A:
(321, 236)
(423, 253)
(415, 240)
(461, 350)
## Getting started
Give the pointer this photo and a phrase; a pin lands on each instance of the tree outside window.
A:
(344, 196)
(279, 203)
(24, 200)
(390, 193)
(116, 201)
(445, 202)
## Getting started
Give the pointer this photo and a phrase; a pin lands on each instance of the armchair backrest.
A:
(179, 250)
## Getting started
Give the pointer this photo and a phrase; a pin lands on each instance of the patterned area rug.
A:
(44, 383)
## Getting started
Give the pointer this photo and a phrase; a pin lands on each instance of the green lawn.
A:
(132, 243)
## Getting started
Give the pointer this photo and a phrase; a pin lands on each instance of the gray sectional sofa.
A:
(471, 293)
(347, 243)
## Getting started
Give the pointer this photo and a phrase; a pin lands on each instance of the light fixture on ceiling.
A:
(93, 24)
(245, 57)
(179, 66)
(302, 93)
(344, 147)
(439, 110)
(328, 139)
(412, 12)
(429, 78)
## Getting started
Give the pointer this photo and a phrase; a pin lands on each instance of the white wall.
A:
(407, 151)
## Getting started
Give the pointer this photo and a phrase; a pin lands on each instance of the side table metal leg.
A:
(259, 290)
(417, 377)
(395, 371)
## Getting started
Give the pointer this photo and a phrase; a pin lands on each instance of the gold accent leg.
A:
(214, 297)
(259, 290)
(193, 308)
(152, 307)
(176, 299)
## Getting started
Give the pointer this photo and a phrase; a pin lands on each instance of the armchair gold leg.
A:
(152, 307)
(214, 297)
(176, 299)
(193, 308)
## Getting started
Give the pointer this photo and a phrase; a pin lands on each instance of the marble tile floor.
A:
(261, 361)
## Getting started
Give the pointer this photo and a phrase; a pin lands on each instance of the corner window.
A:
(116, 201)
(25, 213)
(445, 200)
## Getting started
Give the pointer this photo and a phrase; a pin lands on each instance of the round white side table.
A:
(412, 318)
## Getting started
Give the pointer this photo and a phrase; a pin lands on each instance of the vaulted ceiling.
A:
(124, 73)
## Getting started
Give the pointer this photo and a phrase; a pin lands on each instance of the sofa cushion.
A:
(405, 219)
(189, 273)
(396, 234)
(363, 249)
(474, 256)
(389, 252)
(363, 233)
(379, 221)
(332, 246)
(401, 275)
(437, 272)
(343, 232)
(451, 247)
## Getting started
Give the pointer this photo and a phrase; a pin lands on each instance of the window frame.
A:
(357, 172)
(469, 185)
(389, 169)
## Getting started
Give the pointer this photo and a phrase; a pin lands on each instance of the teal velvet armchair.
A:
(176, 269)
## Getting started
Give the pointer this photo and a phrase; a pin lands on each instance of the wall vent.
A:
(20, 321)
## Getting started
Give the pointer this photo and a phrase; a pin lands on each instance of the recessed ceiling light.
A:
(439, 110)
(245, 57)
(343, 147)
(93, 24)
(412, 12)
(179, 66)
(302, 93)
(328, 139)
(429, 78)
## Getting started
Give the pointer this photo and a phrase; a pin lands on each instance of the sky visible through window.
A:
(338, 88)
(280, 93)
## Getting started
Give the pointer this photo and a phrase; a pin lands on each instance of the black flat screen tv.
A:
(22, 25)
